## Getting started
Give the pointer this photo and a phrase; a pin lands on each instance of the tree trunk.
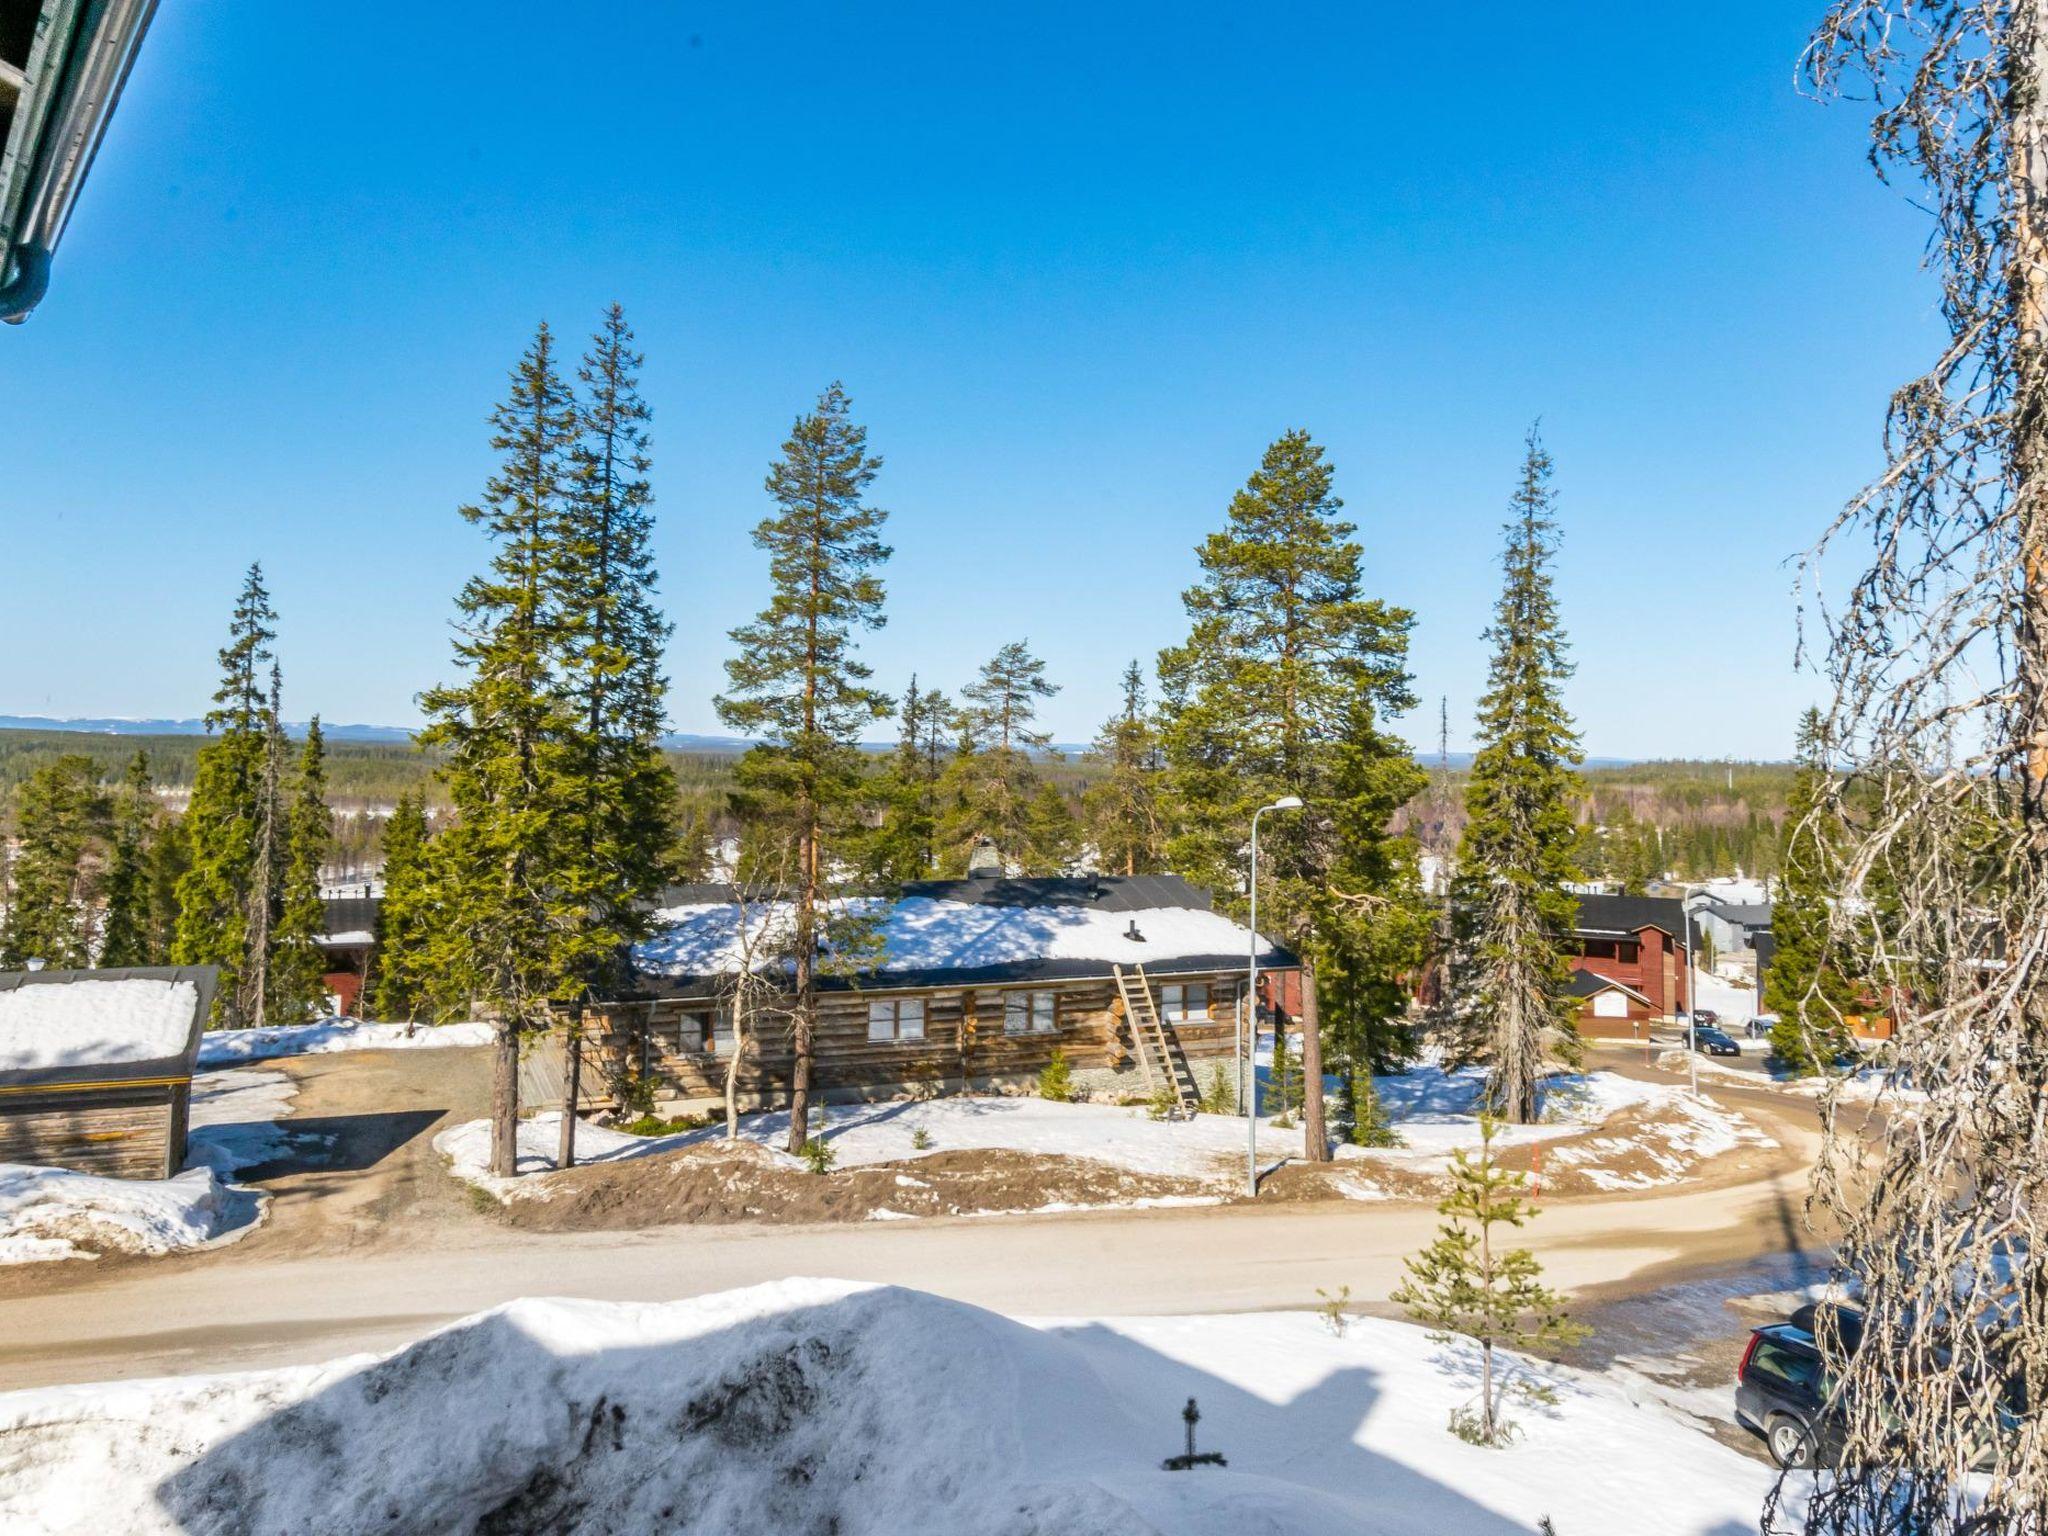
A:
(732, 1067)
(505, 1100)
(803, 1025)
(572, 1090)
(1315, 1138)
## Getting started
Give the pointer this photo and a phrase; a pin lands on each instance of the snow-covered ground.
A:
(811, 1405)
(1434, 1111)
(1734, 1001)
(55, 1213)
(218, 1046)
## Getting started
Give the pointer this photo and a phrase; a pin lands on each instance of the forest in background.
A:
(1693, 818)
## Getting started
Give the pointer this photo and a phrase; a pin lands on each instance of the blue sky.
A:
(1077, 264)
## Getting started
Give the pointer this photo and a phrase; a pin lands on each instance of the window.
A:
(896, 1018)
(1031, 1013)
(692, 1032)
(1788, 1367)
(1182, 1002)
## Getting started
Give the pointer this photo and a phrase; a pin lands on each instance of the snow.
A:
(56, 1213)
(1734, 1002)
(810, 1405)
(85, 1023)
(1435, 1113)
(224, 1045)
(1735, 890)
(920, 933)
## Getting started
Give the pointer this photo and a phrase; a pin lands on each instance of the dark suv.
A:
(1781, 1388)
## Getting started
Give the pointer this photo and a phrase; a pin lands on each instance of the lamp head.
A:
(1286, 803)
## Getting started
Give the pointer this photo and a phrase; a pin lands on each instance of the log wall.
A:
(964, 1048)
(134, 1133)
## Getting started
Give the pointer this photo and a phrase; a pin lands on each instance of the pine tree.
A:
(1515, 912)
(1122, 808)
(125, 926)
(625, 790)
(223, 820)
(265, 899)
(299, 966)
(1463, 1285)
(797, 684)
(59, 816)
(1285, 661)
(991, 788)
(402, 987)
(507, 931)
(1804, 985)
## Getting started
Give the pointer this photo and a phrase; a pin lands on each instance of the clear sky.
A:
(1076, 263)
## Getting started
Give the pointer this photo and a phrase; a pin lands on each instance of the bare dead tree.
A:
(1937, 651)
(756, 990)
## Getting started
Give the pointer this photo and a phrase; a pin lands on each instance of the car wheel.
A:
(1788, 1443)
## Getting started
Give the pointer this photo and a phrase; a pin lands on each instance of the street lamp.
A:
(1248, 1079)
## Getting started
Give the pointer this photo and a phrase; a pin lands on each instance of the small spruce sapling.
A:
(1056, 1079)
(1370, 1126)
(819, 1156)
(1334, 1309)
(921, 1139)
(1465, 1285)
(1221, 1098)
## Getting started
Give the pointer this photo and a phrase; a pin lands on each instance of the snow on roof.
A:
(77, 1023)
(920, 934)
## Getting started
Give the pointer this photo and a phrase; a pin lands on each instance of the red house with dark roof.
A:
(1632, 964)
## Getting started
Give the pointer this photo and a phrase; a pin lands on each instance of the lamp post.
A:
(1249, 1078)
(1692, 1007)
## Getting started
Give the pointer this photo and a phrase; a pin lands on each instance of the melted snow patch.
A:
(217, 1046)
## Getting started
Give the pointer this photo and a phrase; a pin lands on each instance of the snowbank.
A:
(920, 933)
(55, 1213)
(813, 1405)
(75, 1023)
(224, 1045)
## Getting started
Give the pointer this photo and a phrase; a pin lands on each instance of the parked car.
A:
(1712, 1042)
(1781, 1388)
(1761, 1026)
(1705, 1016)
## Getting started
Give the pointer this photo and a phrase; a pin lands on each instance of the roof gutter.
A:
(79, 65)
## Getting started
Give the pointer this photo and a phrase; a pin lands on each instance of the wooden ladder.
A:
(1159, 1049)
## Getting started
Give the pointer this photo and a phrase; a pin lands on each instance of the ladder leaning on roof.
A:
(1159, 1049)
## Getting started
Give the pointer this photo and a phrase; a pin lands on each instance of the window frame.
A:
(1179, 1012)
(1029, 998)
(897, 1005)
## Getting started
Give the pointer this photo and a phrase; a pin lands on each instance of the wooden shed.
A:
(96, 1067)
(972, 986)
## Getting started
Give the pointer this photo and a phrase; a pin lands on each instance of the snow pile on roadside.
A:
(817, 1405)
(61, 1024)
(56, 1213)
(223, 1045)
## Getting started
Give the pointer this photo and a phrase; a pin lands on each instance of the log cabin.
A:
(96, 1067)
(954, 986)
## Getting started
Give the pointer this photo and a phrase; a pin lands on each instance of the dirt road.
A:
(370, 1244)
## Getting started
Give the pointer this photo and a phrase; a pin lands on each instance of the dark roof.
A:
(351, 914)
(1102, 893)
(204, 979)
(1629, 914)
(1586, 983)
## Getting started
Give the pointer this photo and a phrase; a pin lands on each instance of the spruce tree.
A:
(402, 985)
(1804, 985)
(1284, 660)
(992, 786)
(223, 820)
(511, 924)
(1514, 910)
(798, 685)
(1464, 1285)
(265, 899)
(905, 844)
(59, 816)
(624, 788)
(125, 927)
(299, 966)
(1122, 808)
(170, 859)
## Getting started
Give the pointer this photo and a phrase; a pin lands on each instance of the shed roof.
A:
(77, 1027)
(1591, 983)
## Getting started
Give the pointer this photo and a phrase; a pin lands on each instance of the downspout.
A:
(22, 292)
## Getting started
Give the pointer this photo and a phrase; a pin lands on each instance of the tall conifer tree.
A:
(627, 816)
(1804, 985)
(797, 683)
(125, 928)
(298, 987)
(1284, 659)
(1123, 811)
(1514, 909)
(905, 845)
(992, 787)
(402, 986)
(511, 912)
(222, 825)
(257, 978)
(59, 815)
